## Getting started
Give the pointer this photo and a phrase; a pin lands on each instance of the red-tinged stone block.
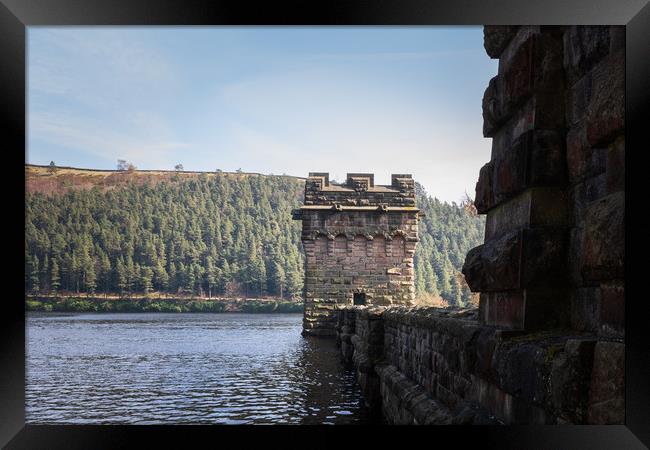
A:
(536, 158)
(503, 308)
(526, 309)
(509, 90)
(603, 254)
(517, 81)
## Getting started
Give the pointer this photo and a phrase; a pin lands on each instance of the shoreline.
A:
(74, 303)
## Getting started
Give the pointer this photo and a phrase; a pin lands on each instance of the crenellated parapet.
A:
(359, 190)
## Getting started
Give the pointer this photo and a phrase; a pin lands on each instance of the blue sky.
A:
(264, 99)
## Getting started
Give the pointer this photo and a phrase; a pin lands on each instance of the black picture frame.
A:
(16, 15)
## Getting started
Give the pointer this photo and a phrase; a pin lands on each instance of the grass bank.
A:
(174, 305)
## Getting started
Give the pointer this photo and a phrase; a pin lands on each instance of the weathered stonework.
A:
(546, 345)
(554, 195)
(442, 366)
(359, 240)
(553, 191)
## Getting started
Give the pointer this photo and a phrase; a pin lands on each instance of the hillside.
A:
(200, 233)
(59, 180)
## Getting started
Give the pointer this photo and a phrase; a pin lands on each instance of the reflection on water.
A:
(184, 368)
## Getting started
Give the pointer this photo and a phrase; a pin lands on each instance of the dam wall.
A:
(442, 366)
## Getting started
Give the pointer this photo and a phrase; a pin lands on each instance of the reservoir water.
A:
(184, 368)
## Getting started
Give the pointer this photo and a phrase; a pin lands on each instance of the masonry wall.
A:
(547, 342)
(554, 192)
(439, 366)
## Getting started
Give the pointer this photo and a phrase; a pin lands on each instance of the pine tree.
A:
(34, 274)
(146, 277)
(278, 279)
(54, 276)
(90, 278)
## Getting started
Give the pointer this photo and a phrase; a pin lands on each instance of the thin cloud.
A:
(392, 56)
(100, 140)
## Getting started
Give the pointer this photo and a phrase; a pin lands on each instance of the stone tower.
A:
(359, 241)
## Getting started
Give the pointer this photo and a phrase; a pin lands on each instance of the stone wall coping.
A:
(358, 208)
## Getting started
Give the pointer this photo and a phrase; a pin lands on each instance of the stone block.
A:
(612, 310)
(518, 259)
(615, 168)
(529, 309)
(493, 115)
(583, 160)
(535, 159)
(585, 309)
(582, 195)
(578, 96)
(605, 114)
(607, 390)
(494, 266)
(503, 308)
(517, 82)
(603, 254)
(543, 258)
(583, 48)
(534, 67)
(569, 379)
(484, 199)
(496, 38)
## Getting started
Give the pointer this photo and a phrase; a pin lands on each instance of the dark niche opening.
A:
(359, 298)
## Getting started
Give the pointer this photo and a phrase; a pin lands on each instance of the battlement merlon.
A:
(360, 190)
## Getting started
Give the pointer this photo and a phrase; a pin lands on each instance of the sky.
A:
(273, 100)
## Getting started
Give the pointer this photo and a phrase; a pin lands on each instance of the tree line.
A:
(219, 235)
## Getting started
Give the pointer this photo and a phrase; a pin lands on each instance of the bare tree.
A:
(468, 205)
(178, 167)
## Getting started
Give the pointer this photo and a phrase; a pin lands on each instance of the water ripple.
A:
(184, 368)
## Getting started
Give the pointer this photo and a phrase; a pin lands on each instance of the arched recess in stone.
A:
(398, 244)
(340, 244)
(320, 247)
(379, 246)
(359, 247)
